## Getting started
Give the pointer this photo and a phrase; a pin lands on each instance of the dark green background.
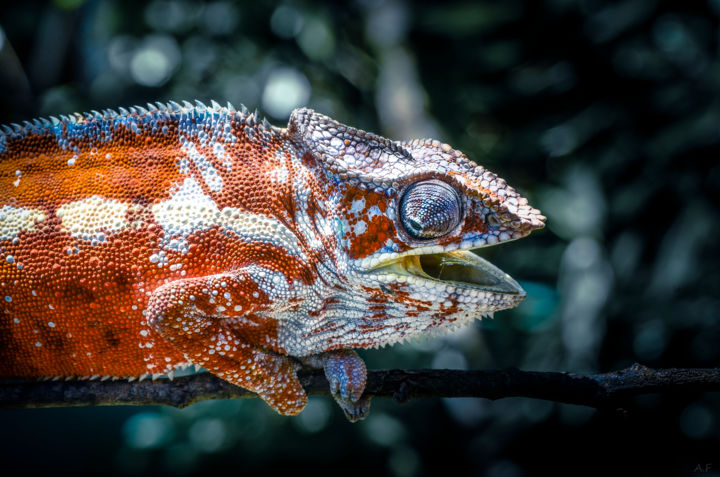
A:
(605, 114)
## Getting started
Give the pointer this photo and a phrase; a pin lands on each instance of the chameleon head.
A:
(406, 215)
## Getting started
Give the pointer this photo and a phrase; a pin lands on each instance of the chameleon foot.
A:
(347, 375)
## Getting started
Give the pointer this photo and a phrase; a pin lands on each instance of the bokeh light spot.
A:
(154, 62)
(285, 90)
(286, 21)
(316, 39)
(148, 430)
(208, 434)
(315, 416)
(220, 18)
(383, 429)
(696, 421)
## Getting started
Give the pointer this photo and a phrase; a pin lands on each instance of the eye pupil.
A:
(430, 209)
(414, 224)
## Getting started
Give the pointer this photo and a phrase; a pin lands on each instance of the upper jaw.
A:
(461, 271)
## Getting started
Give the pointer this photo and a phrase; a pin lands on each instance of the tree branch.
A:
(608, 390)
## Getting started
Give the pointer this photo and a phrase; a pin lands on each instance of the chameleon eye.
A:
(430, 209)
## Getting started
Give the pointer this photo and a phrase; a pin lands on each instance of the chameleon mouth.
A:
(460, 269)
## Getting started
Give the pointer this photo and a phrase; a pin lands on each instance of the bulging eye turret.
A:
(430, 209)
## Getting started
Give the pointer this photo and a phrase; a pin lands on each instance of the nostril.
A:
(492, 221)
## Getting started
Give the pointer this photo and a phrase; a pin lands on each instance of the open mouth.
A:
(460, 269)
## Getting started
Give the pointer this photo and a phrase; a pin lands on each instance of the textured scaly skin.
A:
(138, 242)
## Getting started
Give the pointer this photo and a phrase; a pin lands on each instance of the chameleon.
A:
(136, 242)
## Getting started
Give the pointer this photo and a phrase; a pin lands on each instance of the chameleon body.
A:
(136, 242)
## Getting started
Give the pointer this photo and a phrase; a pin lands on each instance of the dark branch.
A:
(609, 390)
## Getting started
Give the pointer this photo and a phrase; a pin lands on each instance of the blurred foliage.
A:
(605, 114)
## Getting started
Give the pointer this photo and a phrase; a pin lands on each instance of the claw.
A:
(355, 411)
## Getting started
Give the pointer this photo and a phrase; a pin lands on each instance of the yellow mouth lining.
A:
(458, 268)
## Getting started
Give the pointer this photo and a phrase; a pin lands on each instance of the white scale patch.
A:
(360, 227)
(273, 283)
(279, 172)
(189, 210)
(207, 170)
(358, 205)
(14, 220)
(90, 219)
(260, 228)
